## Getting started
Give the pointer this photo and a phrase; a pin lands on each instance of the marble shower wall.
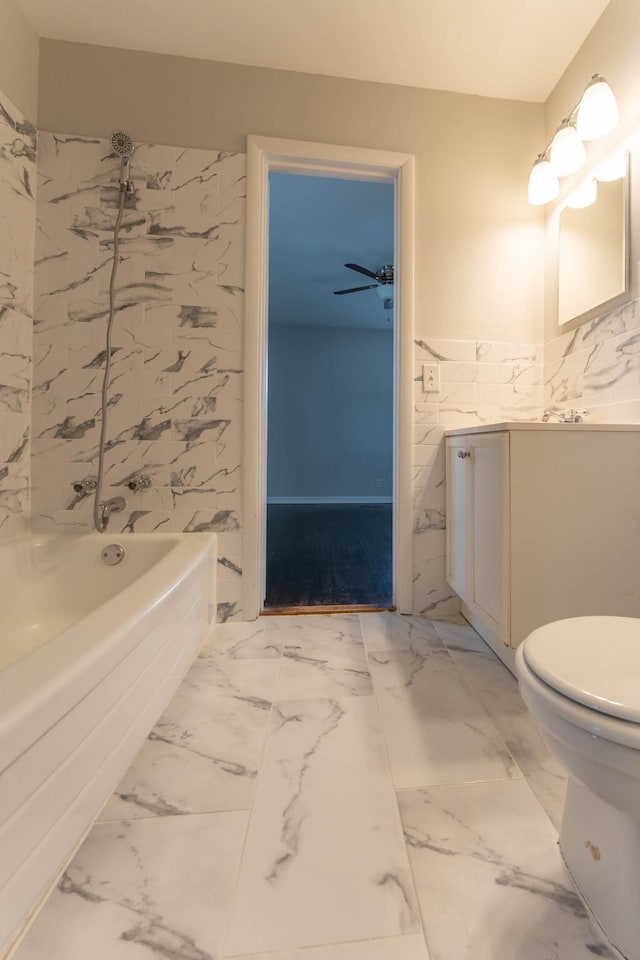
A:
(17, 228)
(480, 382)
(176, 379)
(597, 367)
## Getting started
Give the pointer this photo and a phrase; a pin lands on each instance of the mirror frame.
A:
(625, 295)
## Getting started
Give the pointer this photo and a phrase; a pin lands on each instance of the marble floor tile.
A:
(218, 674)
(497, 689)
(435, 727)
(330, 630)
(202, 756)
(491, 882)
(391, 631)
(324, 656)
(325, 860)
(255, 639)
(390, 948)
(156, 888)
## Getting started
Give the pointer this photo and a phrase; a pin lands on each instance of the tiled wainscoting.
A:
(17, 228)
(330, 788)
(176, 382)
(597, 367)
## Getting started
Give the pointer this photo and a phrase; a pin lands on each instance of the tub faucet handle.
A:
(143, 482)
(86, 486)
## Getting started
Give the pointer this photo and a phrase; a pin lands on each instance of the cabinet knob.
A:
(464, 454)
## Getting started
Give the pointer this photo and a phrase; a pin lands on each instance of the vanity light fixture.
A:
(567, 153)
(597, 111)
(543, 183)
(593, 117)
(584, 195)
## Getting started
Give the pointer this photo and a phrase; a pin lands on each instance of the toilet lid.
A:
(592, 660)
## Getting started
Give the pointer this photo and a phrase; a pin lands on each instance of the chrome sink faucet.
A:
(574, 416)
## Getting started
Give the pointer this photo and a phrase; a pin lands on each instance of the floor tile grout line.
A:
(387, 758)
(236, 883)
(227, 956)
(287, 951)
(473, 692)
(475, 696)
(493, 659)
(170, 816)
(459, 783)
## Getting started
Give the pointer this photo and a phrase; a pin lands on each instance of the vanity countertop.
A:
(538, 425)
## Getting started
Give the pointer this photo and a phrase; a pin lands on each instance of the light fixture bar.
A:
(594, 116)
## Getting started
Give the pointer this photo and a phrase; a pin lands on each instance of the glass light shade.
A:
(613, 168)
(543, 183)
(385, 291)
(598, 110)
(584, 196)
(567, 150)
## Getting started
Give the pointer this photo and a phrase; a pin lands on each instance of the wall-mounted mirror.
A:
(593, 252)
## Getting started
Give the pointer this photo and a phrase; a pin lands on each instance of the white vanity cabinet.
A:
(543, 522)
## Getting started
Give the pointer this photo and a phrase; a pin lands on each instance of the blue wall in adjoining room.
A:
(330, 413)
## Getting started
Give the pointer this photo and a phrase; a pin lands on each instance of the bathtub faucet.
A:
(107, 507)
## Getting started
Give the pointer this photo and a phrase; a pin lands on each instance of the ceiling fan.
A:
(383, 285)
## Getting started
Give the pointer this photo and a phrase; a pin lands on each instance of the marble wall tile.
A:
(597, 367)
(175, 408)
(17, 233)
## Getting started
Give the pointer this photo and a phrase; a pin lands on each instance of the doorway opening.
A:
(330, 393)
(264, 156)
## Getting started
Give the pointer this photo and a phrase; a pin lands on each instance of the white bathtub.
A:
(90, 655)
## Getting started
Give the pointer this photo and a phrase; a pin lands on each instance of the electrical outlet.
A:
(378, 483)
(430, 377)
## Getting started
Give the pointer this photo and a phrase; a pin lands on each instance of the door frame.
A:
(265, 155)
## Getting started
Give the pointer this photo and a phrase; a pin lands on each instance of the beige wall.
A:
(18, 60)
(612, 49)
(479, 244)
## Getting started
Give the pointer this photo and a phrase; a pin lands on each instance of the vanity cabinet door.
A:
(478, 528)
(458, 489)
(490, 520)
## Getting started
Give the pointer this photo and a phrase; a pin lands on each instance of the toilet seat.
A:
(594, 661)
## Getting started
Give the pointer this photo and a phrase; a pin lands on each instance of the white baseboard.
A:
(329, 500)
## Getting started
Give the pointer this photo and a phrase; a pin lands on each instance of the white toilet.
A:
(580, 679)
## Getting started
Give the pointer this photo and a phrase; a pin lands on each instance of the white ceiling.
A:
(316, 225)
(514, 49)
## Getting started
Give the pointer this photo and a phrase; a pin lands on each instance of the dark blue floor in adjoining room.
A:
(329, 554)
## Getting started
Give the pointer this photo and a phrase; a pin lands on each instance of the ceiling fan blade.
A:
(355, 289)
(356, 266)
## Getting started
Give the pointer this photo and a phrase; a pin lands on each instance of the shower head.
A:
(122, 144)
